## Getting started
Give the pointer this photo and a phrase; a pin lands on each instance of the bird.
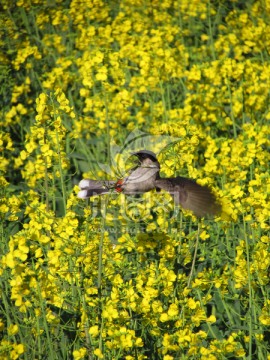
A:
(146, 177)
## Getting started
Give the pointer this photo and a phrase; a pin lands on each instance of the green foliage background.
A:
(120, 278)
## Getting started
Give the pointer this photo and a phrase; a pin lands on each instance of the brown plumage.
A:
(145, 177)
(190, 195)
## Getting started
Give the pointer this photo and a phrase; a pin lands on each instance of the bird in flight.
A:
(145, 177)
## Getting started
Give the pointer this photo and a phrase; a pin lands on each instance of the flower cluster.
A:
(122, 277)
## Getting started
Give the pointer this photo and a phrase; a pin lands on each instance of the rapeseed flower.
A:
(82, 73)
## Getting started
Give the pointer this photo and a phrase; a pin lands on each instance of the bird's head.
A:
(146, 158)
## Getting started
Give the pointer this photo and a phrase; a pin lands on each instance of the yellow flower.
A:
(94, 331)
(204, 235)
(18, 349)
(98, 353)
(211, 319)
(110, 312)
(102, 74)
(192, 304)
(164, 317)
(13, 329)
(79, 354)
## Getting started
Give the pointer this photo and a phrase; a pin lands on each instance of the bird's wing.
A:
(190, 195)
(90, 187)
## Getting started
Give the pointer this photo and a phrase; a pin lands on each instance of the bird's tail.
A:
(90, 187)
